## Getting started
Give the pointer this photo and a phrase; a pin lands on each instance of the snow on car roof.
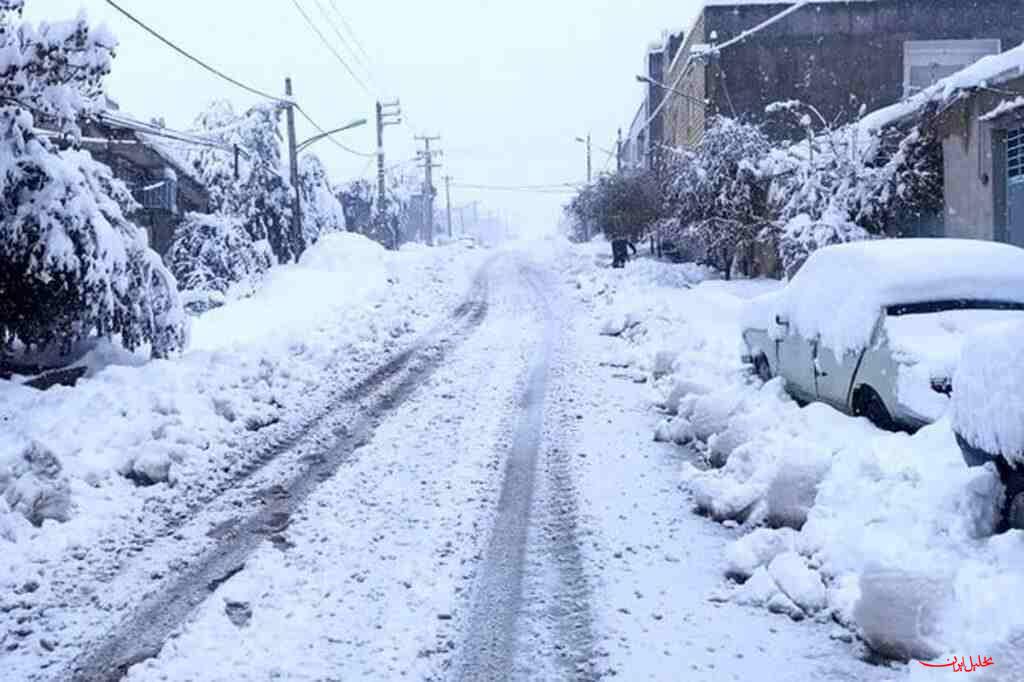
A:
(840, 291)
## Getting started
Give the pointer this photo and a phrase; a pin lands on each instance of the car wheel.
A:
(869, 404)
(763, 369)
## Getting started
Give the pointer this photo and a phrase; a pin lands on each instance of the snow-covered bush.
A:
(321, 210)
(213, 253)
(845, 183)
(803, 235)
(71, 263)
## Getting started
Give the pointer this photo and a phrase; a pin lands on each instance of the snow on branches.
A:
(321, 210)
(737, 192)
(847, 183)
(621, 205)
(717, 194)
(71, 264)
(213, 256)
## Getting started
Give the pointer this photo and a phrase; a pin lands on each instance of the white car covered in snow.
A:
(875, 328)
(988, 410)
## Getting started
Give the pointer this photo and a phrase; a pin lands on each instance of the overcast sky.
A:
(508, 85)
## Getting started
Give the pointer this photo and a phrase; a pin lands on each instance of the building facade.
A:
(835, 56)
(647, 134)
(983, 153)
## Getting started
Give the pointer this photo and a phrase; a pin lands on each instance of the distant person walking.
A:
(620, 252)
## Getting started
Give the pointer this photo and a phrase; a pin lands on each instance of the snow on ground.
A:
(654, 565)
(89, 455)
(371, 578)
(889, 535)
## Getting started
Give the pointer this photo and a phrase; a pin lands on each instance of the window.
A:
(925, 62)
(1015, 155)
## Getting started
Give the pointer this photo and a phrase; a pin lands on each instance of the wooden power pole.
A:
(293, 156)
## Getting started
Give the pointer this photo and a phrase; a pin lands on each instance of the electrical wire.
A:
(192, 58)
(727, 44)
(348, 48)
(348, 28)
(327, 44)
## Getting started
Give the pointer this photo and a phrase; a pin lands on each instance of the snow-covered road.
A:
(488, 505)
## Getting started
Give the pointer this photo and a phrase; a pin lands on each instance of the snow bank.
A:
(841, 290)
(889, 535)
(988, 405)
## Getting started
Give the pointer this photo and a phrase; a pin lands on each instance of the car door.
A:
(834, 374)
(796, 361)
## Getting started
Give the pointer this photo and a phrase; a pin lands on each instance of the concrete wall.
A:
(974, 153)
(970, 205)
(838, 55)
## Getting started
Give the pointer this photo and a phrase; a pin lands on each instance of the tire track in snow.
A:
(534, 516)
(142, 634)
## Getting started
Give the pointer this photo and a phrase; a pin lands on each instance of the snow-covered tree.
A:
(214, 254)
(71, 264)
(321, 210)
(848, 183)
(357, 199)
(620, 205)
(212, 166)
(264, 198)
(717, 195)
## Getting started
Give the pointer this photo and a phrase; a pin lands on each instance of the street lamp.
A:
(658, 84)
(316, 138)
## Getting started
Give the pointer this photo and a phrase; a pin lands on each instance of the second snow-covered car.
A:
(875, 328)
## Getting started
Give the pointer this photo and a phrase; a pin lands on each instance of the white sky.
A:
(508, 84)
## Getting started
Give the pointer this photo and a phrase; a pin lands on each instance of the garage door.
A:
(1015, 186)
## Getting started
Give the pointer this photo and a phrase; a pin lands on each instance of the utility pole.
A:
(429, 191)
(293, 156)
(590, 166)
(618, 152)
(448, 198)
(388, 114)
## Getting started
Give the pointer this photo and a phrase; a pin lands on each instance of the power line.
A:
(348, 28)
(192, 58)
(727, 44)
(330, 47)
(342, 40)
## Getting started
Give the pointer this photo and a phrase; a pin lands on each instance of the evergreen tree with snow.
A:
(321, 210)
(264, 197)
(72, 266)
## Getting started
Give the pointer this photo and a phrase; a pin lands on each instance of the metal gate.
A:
(1015, 186)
